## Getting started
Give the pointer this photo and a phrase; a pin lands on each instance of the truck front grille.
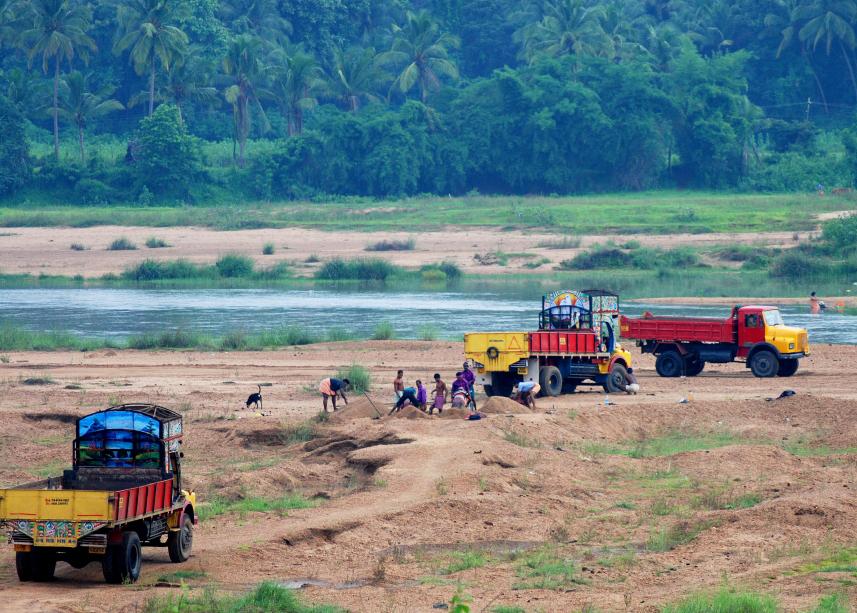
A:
(93, 540)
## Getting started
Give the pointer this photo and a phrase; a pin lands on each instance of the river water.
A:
(120, 313)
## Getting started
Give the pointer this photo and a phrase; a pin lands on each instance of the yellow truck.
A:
(123, 492)
(576, 343)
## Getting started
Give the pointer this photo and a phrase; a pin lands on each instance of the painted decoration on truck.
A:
(566, 297)
(118, 420)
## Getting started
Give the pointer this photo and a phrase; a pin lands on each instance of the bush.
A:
(268, 249)
(14, 154)
(359, 377)
(383, 332)
(233, 341)
(78, 247)
(613, 257)
(151, 270)
(795, 266)
(444, 271)
(360, 269)
(403, 245)
(266, 597)
(173, 339)
(234, 265)
(168, 162)
(427, 332)
(93, 191)
(121, 244)
(841, 233)
(156, 243)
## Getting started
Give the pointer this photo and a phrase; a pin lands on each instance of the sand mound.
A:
(454, 414)
(499, 405)
(410, 412)
(357, 409)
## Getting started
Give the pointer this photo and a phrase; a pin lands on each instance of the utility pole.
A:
(808, 105)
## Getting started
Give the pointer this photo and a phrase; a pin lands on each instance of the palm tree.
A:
(257, 17)
(25, 91)
(420, 51)
(245, 74)
(186, 81)
(567, 27)
(149, 34)
(79, 105)
(354, 76)
(830, 21)
(58, 31)
(296, 82)
(10, 14)
(786, 21)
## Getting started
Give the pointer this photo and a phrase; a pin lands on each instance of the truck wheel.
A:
(550, 380)
(501, 384)
(764, 363)
(693, 367)
(569, 386)
(787, 368)
(122, 563)
(616, 379)
(44, 565)
(669, 364)
(24, 565)
(180, 543)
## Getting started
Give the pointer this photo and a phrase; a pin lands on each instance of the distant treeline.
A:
(384, 98)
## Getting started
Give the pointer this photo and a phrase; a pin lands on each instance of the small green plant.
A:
(384, 331)
(566, 242)
(521, 440)
(667, 539)
(252, 504)
(156, 243)
(5, 359)
(44, 380)
(460, 602)
(322, 416)
(267, 596)
(78, 247)
(441, 486)
(121, 244)
(464, 560)
(234, 265)
(359, 377)
(832, 603)
(180, 576)
(312, 259)
(298, 433)
(268, 249)
(508, 609)
(338, 335)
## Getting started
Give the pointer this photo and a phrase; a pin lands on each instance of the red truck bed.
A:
(143, 500)
(702, 329)
(563, 341)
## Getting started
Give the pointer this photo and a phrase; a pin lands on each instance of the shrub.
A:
(78, 247)
(613, 257)
(383, 332)
(393, 245)
(121, 244)
(151, 270)
(359, 377)
(14, 154)
(360, 269)
(168, 161)
(172, 339)
(427, 332)
(93, 191)
(156, 243)
(266, 597)
(234, 265)
(793, 265)
(433, 275)
(233, 341)
(268, 249)
(841, 233)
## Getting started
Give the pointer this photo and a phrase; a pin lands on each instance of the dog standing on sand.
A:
(255, 398)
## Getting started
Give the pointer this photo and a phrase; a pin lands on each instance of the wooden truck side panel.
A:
(554, 342)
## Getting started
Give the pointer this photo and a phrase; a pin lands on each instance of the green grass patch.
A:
(836, 560)
(613, 257)
(521, 440)
(427, 332)
(252, 504)
(359, 377)
(299, 433)
(181, 576)
(832, 603)
(546, 569)
(725, 600)
(121, 244)
(808, 448)
(508, 609)
(464, 560)
(566, 242)
(383, 331)
(268, 597)
(268, 249)
(667, 539)
(668, 444)
(360, 269)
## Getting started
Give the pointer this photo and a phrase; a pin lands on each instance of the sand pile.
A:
(410, 412)
(356, 409)
(498, 405)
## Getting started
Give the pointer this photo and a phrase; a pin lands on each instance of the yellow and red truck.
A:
(124, 491)
(754, 334)
(576, 343)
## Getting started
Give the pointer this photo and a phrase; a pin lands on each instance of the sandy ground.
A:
(402, 498)
(48, 250)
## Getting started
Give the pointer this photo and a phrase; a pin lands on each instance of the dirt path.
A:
(766, 487)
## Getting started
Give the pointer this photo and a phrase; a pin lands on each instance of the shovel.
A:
(373, 405)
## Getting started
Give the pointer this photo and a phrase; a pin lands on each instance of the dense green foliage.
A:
(399, 97)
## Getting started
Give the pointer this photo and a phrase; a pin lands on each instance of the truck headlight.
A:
(791, 345)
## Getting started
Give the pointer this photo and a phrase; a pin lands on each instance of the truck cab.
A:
(766, 342)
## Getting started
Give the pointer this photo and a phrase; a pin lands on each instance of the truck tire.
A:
(693, 367)
(180, 543)
(550, 380)
(24, 565)
(788, 368)
(764, 364)
(501, 384)
(44, 565)
(616, 379)
(121, 563)
(669, 364)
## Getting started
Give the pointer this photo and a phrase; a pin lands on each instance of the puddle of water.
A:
(296, 584)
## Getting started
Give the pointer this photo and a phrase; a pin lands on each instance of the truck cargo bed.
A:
(704, 330)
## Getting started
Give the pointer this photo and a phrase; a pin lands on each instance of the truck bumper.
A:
(792, 356)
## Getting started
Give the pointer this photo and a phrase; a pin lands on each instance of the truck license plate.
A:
(97, 550)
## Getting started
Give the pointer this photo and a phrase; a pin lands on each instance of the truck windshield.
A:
(773, 318)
